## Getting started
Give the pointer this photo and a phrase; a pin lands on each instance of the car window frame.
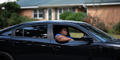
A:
(72, 25)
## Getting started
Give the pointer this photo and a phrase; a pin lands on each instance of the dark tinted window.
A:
(8, 31)
(39, 31)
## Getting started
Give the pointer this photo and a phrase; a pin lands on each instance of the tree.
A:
(10, 15)
(11, 7)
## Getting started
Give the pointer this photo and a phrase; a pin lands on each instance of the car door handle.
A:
(43, 45)
(57, 47)
(25, 43)
(29, 44)
(17, 42)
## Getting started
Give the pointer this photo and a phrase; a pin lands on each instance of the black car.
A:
(36, 41)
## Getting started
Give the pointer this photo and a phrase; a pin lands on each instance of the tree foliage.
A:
(11, 7)
(10, 15)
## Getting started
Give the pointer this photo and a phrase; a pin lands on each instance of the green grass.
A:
(81, 35)
(76, 35)
(115, 36)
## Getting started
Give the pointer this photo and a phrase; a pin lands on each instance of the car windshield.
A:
(98, 33)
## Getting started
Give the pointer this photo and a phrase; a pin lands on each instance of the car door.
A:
(72, 49)
(31, 42)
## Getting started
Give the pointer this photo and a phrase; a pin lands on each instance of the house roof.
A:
(49, 3)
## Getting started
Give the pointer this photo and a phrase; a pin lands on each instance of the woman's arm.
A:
(62, 38)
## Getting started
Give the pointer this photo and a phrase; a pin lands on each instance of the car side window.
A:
(72, 32)
(75, 33)
(39, 31)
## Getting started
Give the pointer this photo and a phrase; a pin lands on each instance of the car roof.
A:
(55, 21)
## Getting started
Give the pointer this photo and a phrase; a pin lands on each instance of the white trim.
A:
(47, 14)
(29, 7)
(102, 4)
(62, 5)
(49, 6)
(58, 17)
(87, 11)
(52, 14)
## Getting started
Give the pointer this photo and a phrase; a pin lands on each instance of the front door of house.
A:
(50, 11)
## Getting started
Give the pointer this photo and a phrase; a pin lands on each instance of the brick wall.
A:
(110, 15)
(26, 12)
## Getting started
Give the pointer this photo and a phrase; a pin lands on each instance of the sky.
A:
(1, 1)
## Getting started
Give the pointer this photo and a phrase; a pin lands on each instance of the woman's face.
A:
(64, 31)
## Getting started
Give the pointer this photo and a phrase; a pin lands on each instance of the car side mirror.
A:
(88, 39)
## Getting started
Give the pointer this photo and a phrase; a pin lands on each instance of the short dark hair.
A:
(58, 29)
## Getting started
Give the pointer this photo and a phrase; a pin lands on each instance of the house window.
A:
(38, 13)
(62, 10)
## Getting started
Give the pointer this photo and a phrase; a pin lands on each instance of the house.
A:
(105, 10)
(48, 9)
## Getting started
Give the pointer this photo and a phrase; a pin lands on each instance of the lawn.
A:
(81, 35)
(115, 36)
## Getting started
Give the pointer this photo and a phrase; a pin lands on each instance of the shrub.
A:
(116, 28)
(65, 14)
(80, 16)
(73, 16)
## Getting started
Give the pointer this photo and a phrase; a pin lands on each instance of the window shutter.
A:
(56, 13)
(43, 12)
(73, 10)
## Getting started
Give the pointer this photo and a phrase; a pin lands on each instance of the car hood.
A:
(116, 41)
(115, 44)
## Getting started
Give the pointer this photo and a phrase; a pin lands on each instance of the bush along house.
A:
(105, 10)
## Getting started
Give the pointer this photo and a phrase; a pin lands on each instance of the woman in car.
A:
(61, 36)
